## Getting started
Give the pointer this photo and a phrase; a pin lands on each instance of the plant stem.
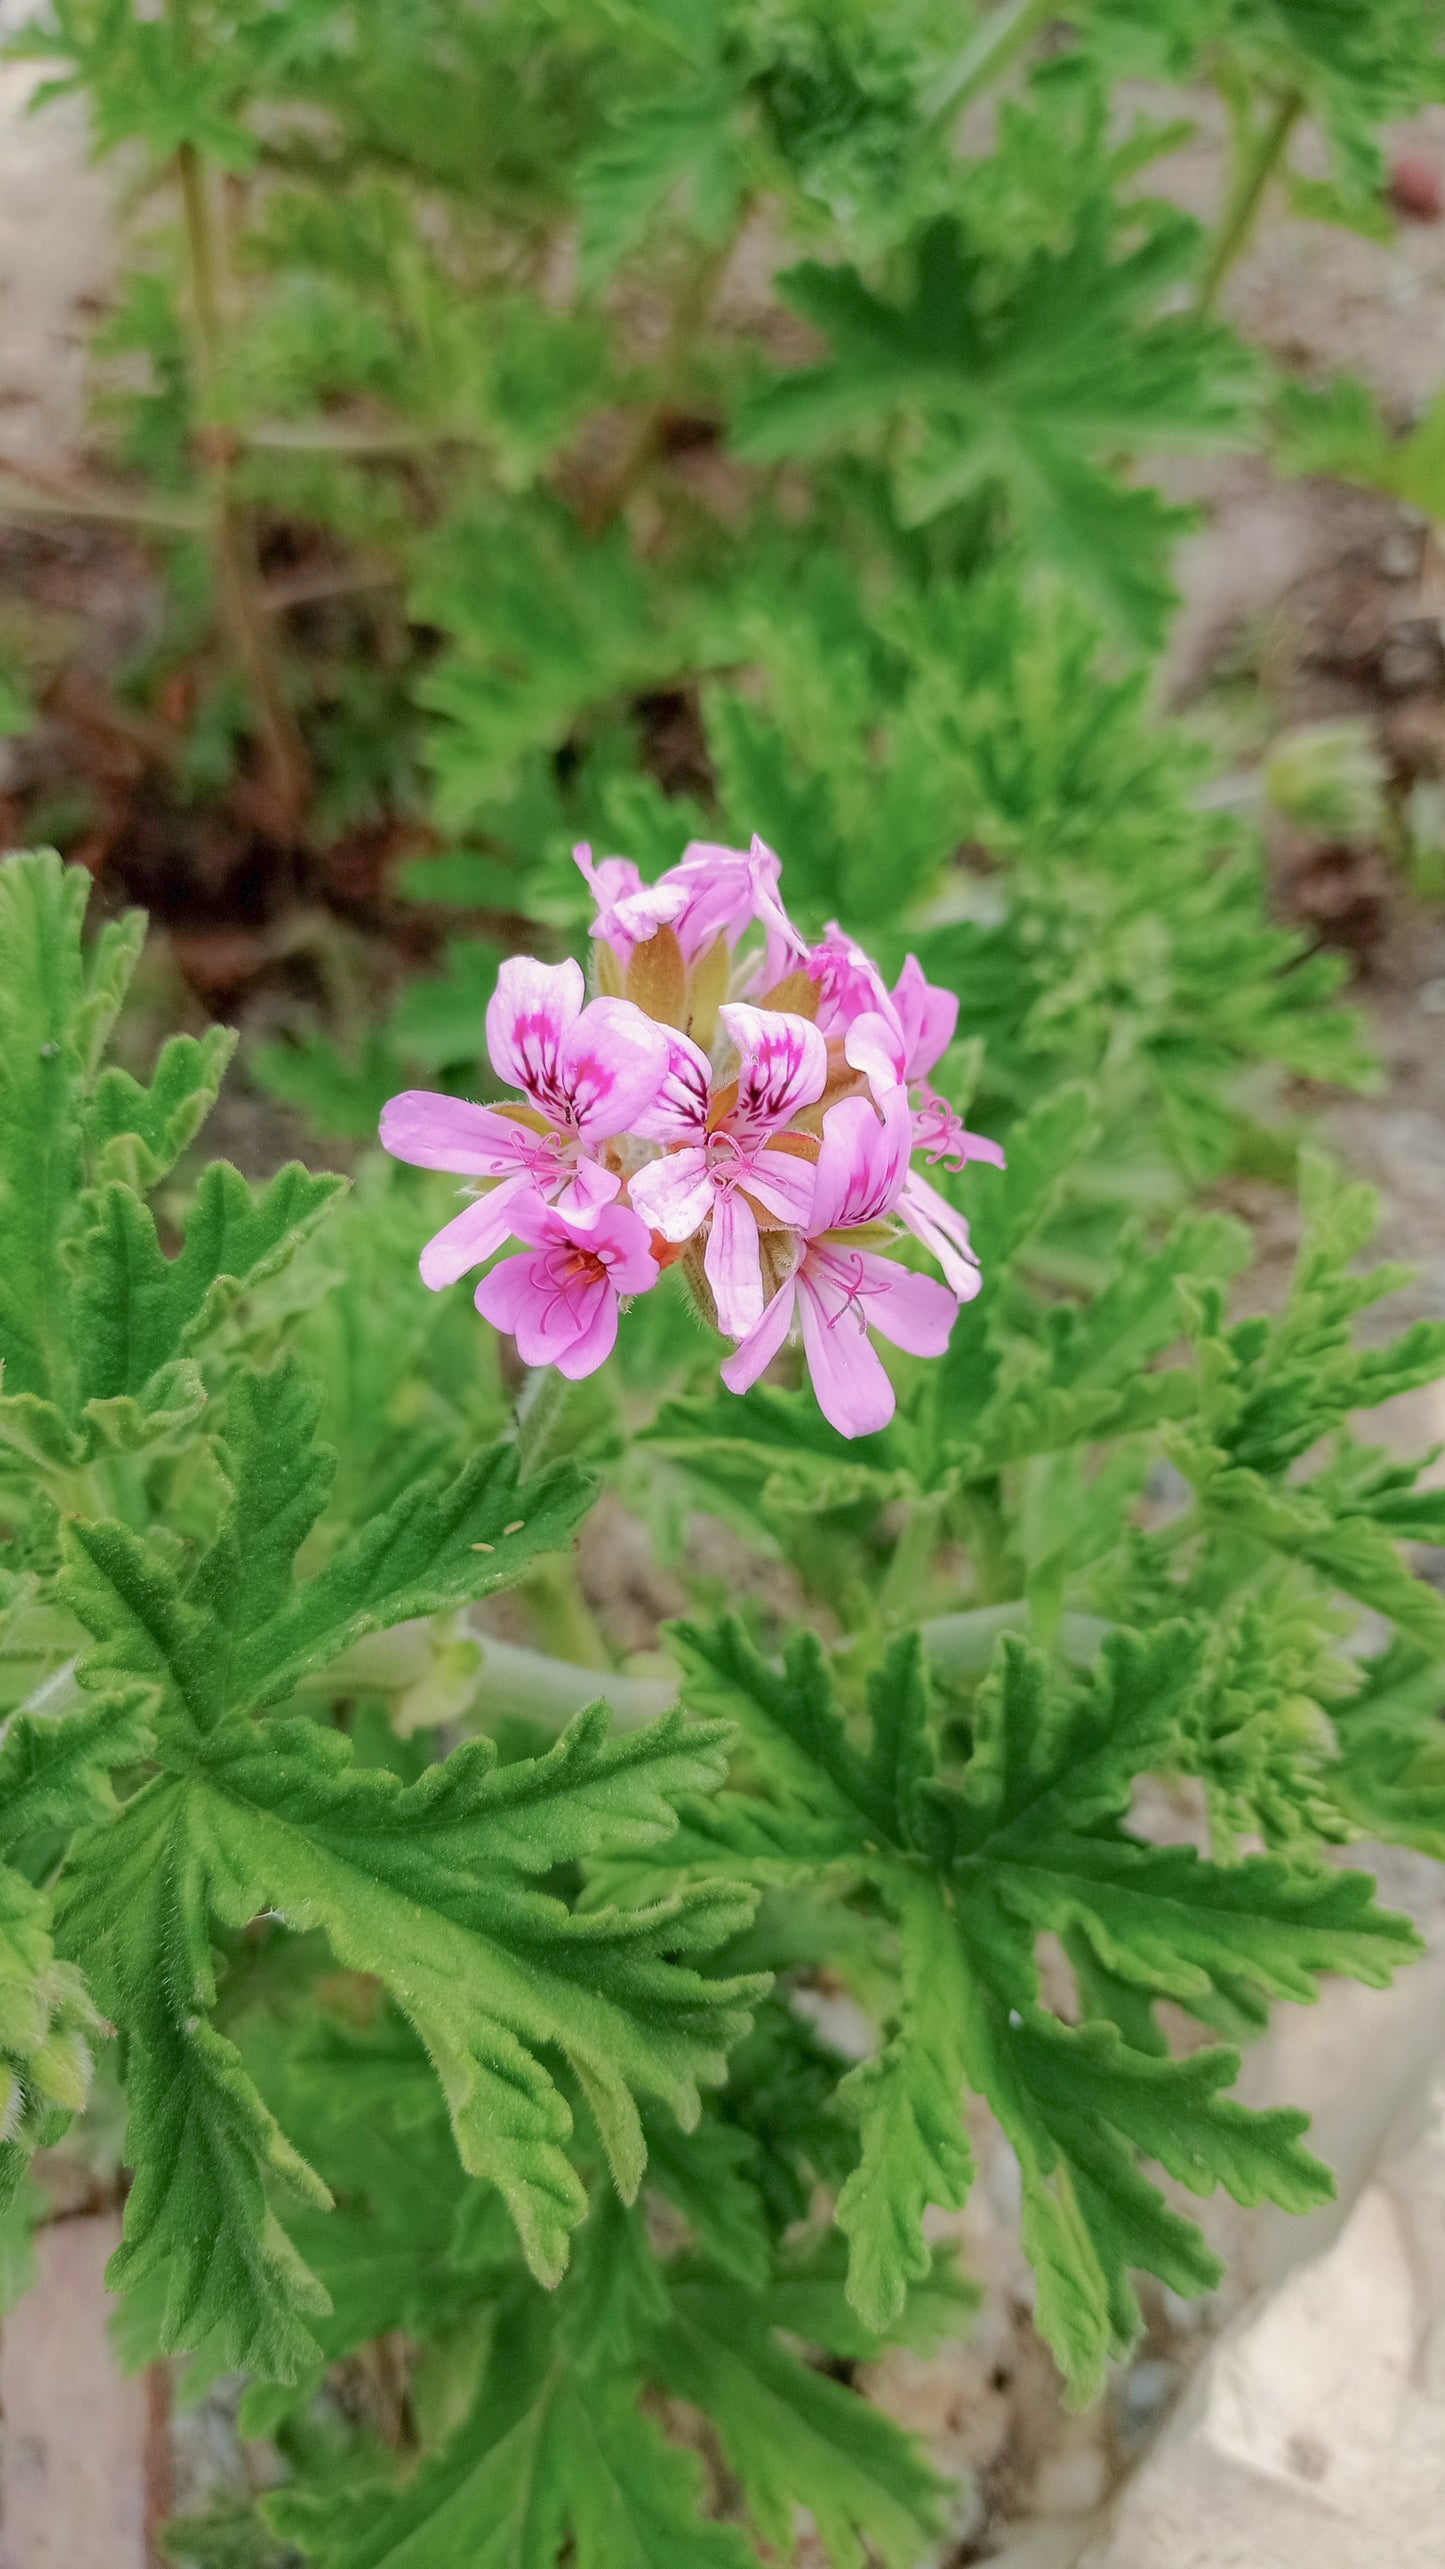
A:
(690, 312)
(509, 1679)
(1000, 35)
(542, 1689)
(1258, 156)
(540, 1404)
(24, 494)
(232, 540)
(963, 1644)
(911, 1559)
(554, 1592)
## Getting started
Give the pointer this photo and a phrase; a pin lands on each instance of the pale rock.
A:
(1313, 2434)
(58, 249)
(82, 2461)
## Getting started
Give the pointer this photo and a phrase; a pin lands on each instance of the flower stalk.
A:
(231, 536)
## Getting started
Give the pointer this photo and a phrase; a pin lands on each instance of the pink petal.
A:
(782, 1185)
(733, 1265)
(511, 1291)
(717, 888)
(783, 1065)
(862, 1164)
(545, 1307)
(741, 1369)
(528, 1014)
(624, 1243)
(915, 1312)
(543, 1225)
(854, 1393)
(656, 905)
(678, 1113)
(473, 1234)
(784, 945)
(944, 1232)
(594, 1341)
(588, 1189)
(875, 1045)
(611, 881)
(435, 1132)
(848, 982)
(939, 1133)
(610, 1064)
(928, 1017)
(675, 1195)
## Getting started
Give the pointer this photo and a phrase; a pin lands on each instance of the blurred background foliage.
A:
(623, 421)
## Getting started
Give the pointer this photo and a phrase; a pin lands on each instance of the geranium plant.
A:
(646, 426)
(431, 2018)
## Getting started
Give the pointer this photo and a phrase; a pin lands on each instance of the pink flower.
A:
(943, 1232)
(849, 984)
(722, 1163)
(713, 892)
(587, 1074)
(895, 1046)
(940, 1134)
(589, 1070)
(901, 1040)
(560, 1299)
(840, 1292)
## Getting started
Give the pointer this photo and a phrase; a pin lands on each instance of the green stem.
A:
(538, 1686)
(689, 314)
(540, 1404)
(23, 494)
(553, 1591)
(1000, 35)
(962, 1645)
(510, 1680)
(232, 539)
(1258, 157)
(529, 1683)
(912, 1559)
(55, 1696)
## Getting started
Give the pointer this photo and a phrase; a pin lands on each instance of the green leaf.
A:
(55, 1769)
(658, 150)
(1350, 1552)
(791, 1716)
(908, 2102)
(554, 2456)
(1020, 390)
(240, 1633)
(425, 1887)
(1028, 1842)
(136, 1309)
(419, 1886)
(56, 1008)
(136, 1133)
(201, 2141)
(793, 2437)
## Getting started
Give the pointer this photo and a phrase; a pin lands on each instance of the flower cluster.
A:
(733, 1099)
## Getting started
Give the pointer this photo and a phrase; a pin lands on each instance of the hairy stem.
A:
(554, 1593)
(232, 539)
(912, 1558)
(1260, 150)
(997, 40)
(962, 1645)
(689, 315)
(542, 1689)
(540, 1404)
